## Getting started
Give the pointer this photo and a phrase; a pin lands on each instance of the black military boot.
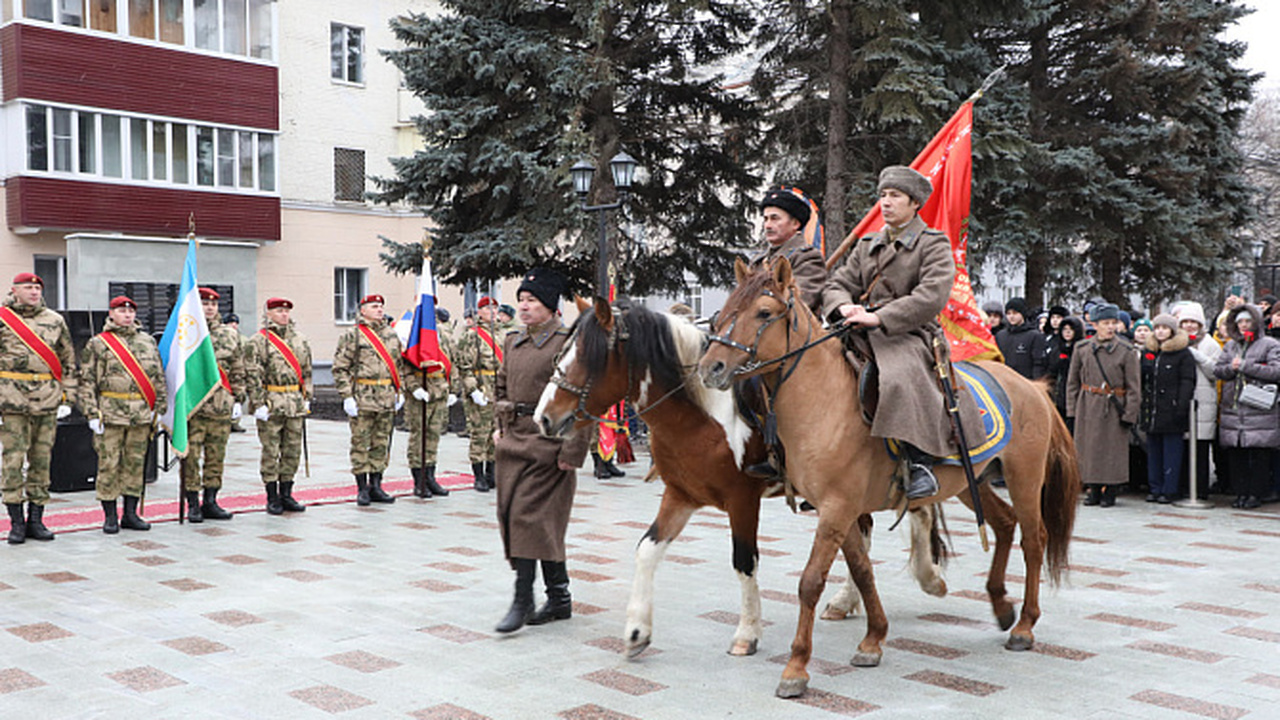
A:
(195, 514)
(614, 470)
(522, 606)
(362, 489)
(601, 472)
(35, 523)
(130, 519)
(482, 483)
(376, 493)
(559, 605)
(1108, 498)
(110, 520)
(921, 482)
(419, 486)
(210, 508)
(429, 481)
(273, 499)
(1095, 495)
(17, 524)
(489, 469)
(286, 498)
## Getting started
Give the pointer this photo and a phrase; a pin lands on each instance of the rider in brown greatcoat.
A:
(785, 215)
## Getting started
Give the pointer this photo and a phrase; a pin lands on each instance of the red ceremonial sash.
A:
(223, 379)
(488, 340)
(132, 365)
(32, 340)
(381, 349)
(279, 344)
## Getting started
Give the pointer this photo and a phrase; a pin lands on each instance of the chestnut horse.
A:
(839, 467)
(699, 445)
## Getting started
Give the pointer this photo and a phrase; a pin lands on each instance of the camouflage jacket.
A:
(437, 387)
(270, 379)
(36, 397)
(227, 346)
(108, 391)
(476, 364)
(360, 372)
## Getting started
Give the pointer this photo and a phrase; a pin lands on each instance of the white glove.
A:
(478, 398)
(262, 414)
(236, 411)
(95, 424)
(453, 400)
(422, 395)
(306, 407)
(350, 407)
(399, 401)
(63, 411)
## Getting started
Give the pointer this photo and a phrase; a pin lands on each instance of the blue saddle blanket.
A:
(993, 407)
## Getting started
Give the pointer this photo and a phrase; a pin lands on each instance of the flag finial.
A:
(191, 226)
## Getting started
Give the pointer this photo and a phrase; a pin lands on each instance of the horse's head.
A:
(590, 373)
(748, 334)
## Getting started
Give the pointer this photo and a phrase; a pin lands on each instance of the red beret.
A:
(122, 301)
(372, 298)
(209, 294)
(275, 302)
(486, 301)
(26, 278)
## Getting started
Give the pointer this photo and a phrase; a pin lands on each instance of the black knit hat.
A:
(546, 284)
(789, 200)
(1018, 305)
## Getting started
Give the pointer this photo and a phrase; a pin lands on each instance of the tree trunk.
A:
(1037, 274)
(835, 198)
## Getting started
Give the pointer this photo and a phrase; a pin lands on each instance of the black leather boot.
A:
(601, 472)
(130, 520)
(1095, 495)
(1108, 498)
(195, 514)
(17, 524)
(210, 509)
(35, 523)
(481, 483)
(110, 520)
(559, 605)
(376, 493)
(419, 485)
(522, 606)
(273, 499)
(614, 470)
(429, 482)
(489, 469)
(362, 489)
(286, 498)
(921, 482)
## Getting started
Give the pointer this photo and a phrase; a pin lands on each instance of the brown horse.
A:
(845, 472)
(699, 446)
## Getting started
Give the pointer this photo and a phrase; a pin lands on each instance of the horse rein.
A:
(751, 351)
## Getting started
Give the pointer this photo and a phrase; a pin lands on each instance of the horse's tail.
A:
(1060, 496)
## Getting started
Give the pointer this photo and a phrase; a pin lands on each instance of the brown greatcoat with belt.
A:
(1102, 433)
(534, 494)
(807, 266)
(907, 279)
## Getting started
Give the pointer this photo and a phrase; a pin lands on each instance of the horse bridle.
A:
(752, 352)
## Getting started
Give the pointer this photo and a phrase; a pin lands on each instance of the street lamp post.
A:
(623, 169)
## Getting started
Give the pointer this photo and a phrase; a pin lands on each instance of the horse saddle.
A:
(978, 392)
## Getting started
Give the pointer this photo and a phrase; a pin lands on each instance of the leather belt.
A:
(373, 381)
(1118, 392)
(121, 396)
(282, 388)
(10, 375)
(525, 409)
(486, 372)
(436, 374)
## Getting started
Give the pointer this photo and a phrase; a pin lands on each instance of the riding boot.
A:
(482, 482)
(130, 520)
(1095, 495)
(601, 472)
(17, 524)
(1108, 498)
(488, 474)
(376, 494)
(362, 489)
(194, 513)
(273, 499)
(210, 508)
(419, 488)
(522, 606)
(921, 482)
(429, 481)
(110, 520)
(286, 498)
(559, 605)
(614, 470)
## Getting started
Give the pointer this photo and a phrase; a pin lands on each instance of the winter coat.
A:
(1024, 349)
(1102, 428)
(1058, 360)
(29, 386)
(1238, 424)
(228, 347)
(1205, 351)
(807, 266)
(360, 371)
(108, 391)
(271, 379)
(1168, 384)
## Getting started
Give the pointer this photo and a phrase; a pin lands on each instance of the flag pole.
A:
(182, 460)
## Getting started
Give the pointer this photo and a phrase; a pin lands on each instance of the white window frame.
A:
(344, 50)
(59, 279)
(342, 293)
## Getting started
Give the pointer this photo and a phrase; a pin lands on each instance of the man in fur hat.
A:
(785, 213)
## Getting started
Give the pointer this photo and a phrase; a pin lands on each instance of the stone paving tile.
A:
(927, 649)
(1220, 546)
(351, 545)
(195, 645)
(453, 633)
(1254, 634)
(1131, 621)
(434, 585)
(581, 608)
(452, 567)
(446, 711)
(1271, 681)
(1171, 562)
(592, 559)
(145, 545)
(946, 619)
(1109, 572)
(1262, 588)
(1064, 653)
(772, 552)
(1178, 651)
(619, 646)
(588, 576)
(327, 559)
(1189, 705)
(234, 618)
(151, 560)
(1175, 528)
(623, 682)
(5, 586)
(464, 551)
(280, 538)
(487, 525)
(833, 703)
(330, 699)
(416, 526)
(592, 712)
(58, 578)
(302, 576)
(598, 537)
(186, 584)
(14, 680)
(779, 596)
(1221, 610)
(1117, 587)
(954, 682)
(362, 661)
(240, 559)
(145, 679)
(682, 559)
(724, 617)
(817, 665)
(215, 531)
(1263, 533)
(40, 632)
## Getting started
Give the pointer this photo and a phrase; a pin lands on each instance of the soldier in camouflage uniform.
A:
(210, 426)
(372, 389)
(477, 367)
(122, 410)
(427, 413)
(282, 396)
(33, 395)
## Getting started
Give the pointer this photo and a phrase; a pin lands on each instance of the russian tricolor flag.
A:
(423, 346)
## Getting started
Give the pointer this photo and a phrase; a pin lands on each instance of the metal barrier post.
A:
(1193, 487)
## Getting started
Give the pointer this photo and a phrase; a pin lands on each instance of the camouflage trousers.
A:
(281, 439)
(480, 428)
(122, 452)
(29, 439)
(206, 451)
(370, 441)
(437, 417)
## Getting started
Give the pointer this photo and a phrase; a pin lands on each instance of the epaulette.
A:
(934, 231)
(562, 330)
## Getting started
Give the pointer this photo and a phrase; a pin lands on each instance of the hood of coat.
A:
(1233, 332)
(1179, 341)
(1076, 324)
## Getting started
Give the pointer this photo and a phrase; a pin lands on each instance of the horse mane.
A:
(755, 284)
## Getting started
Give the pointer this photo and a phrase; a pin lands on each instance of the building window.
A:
(348, 287)
(171, 22)
(346, 53)
(206, 19)
(142, 19)
(87, 139)
(52, 269)
(226, 157)
(37, 137)
(260, 40)
(112, 146)
(267, 163)
(234, 27)
(62, 140)
(348, 175)
(180, 157)
(39, 9)
(693, 298)
(102, 15)
(204, 156)
(138, 151)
